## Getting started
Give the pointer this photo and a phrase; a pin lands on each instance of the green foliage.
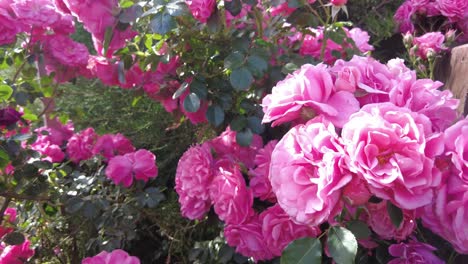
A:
(303, 251)
(342, 245)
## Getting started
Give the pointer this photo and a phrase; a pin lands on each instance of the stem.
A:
(19, 70)
(10, 195)
(3, 209)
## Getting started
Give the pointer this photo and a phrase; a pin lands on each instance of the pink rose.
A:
(195, 117)
(66, 51)
(312, 45)
(413, 252)
(455, 10)
(140, 164)
(338, 2)
(431, 42)
(10, 218)
(305, 93)
(110, 145)
(403, 17)
(228, 191)
(360, 38)
(9, 25)
(17, 254)
(116, 256)
(279, 230)
(259, 182)
(248, 239)
(104, 69)
(80, 146)
(456, 146)
(118, 41)
(447, 216)
(308, 172)
(356, 192)
(57, 133)
(201, 9)
(225, 145)
(386, 145)
(193, 178)
(38, 13)
(380, 222)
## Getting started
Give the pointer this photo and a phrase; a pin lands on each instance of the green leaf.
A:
(177, 8)
(395, 213)
(129, 15)
(180, 90)
(90, 210)
(239, 123)
(359, 229)
(5, 91)
(255, 124)
(121, 72)
(295, 3)
(107, 40)
(126, 4)
(257, 65)
(244, 137)
(342, 245)
(303, 251)
(241, 79)
(199, 88)
(234, 60)
(234, 7)
(162, 23)
(14, 238)
(215, 115)
(289, 68)
(225, 253)
(74, 204)
(4, 159)
(192, 103)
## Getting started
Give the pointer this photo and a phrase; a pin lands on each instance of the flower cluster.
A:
(116, 256)
(13, 254)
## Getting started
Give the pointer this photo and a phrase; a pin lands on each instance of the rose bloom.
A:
(403, 17)
(17, 254)
(447, 216)
(307, 92)
(361, 39)
(338, 2)
(456, 146)
(80, 145)
(114, 257)
(225, 145)
(232, 199)
(110, 145)
(259, 182)
(387, 146)
(429, 42)
(9, 116)
(10, 217)
(248, 239)
(380, 222)
(413, 252)
(356, 192)
(193, 178)
(38, 13)
(455, 10)
(140, 164)
(279, 230)
(312, 45)
(66, 51)
(195, 117)
(308, 172)
(9, 25)
(201, 9)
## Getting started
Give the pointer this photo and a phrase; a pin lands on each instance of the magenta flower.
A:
(110, 145)
(38, 13)
(454, 10)
(387, 147)
(356, 192)
(308, 172)
(403, 17)
(114, 257)
(67, 51)
(193, 178)
(10, 218)
(338, 2)
(9, 25)
(80, 145)
(279, 230)
(380, 222)
(248, 239)
(140, 164)
(259, 181)
(201, 9)
(305, 93)
(429, 43)
(413, 252)
(17, 254)
(456, 146)
(232, 200)
(9, 116)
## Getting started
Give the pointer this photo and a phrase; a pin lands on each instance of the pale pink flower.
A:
(232, 200)
(80, 145)
(193, 178)
(308, 172)
(432, 42)
(356, 192)
(279, 230)
(259, 181)
(17, 254)
(361, 39)
(413, 252)
(380, 222)
(387, 147)
(201, 9)
(456, 146)
(305, 93)
(140, 164)
(110, 145)
(312, 45)
(248, 239)
(114, 257)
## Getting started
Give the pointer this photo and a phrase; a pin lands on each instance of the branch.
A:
(11, 195)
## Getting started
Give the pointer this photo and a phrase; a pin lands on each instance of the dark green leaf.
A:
(199, 88)
(90, 210)
(162, 23)
(234, 60)
(153, 197)
(234, 7)
(244, 137)
(255, 124)
(295, 3)
(336, 34)
(342, 245)
(241, 79)
(107, 40)
(225, 253)
(129, 15)
(22, 98)
(395, 213)
(180, 90)
(257, 65)
(250, 2)
(192, 103)
(213, 22)
(5, 91)
(215, 115)
(121, 72)
(4, 159)
(289, 68)
(42, 164)
(239, 123)
(14, 238)
(74, 204)
(359, 229)
(154, 10)
(303, 251)
(177, 8)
